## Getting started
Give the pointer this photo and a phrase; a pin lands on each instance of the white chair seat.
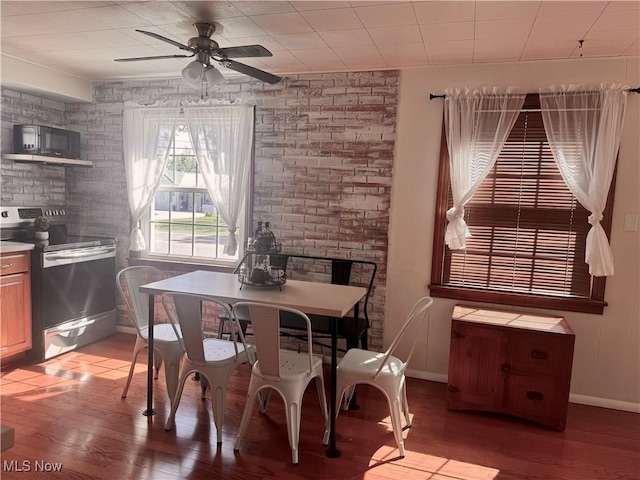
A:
(385, 371)
(363, 362)
(293, 365)
(220, 351)
(162, 332)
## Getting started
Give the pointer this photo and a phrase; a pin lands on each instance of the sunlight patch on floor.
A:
(385, 463)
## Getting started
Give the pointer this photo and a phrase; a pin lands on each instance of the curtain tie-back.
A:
(595, 218)
(232, 230)
(455, 212)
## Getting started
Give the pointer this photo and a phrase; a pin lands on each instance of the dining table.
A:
(326, 299)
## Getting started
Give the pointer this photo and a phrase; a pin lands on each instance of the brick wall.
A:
(324, 149)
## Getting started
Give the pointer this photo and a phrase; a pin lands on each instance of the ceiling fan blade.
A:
(243, 52)
(251, 71)
(160, 57)
(165, 39)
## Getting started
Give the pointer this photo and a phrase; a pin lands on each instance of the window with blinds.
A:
(528, 230)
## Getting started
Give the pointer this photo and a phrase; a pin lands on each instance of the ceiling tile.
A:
(515, 27)
(497, 50)
(549, 46)
(559, 8)
(440, 53)
(112, 38)
(71, 21)
(262, 7)
(361, 57)
(320, 59)
(622, 6)
(39, 7)
(335, 19)
(285, 61)
(158, 13)
(500, 10)
(297, 41)
(633, 50)
(405, 55)
(235, 27)
(444, 12)
(387, 15)
(304, 6)
(207, 10)
(441, 32)
(577, 24)
(401, 34)
(280, 23)
(617, 21)
(7, 9)
(115, 16)
(347, 38)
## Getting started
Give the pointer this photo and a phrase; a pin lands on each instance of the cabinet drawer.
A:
(14, 263)
(541, 354)
(540, 399)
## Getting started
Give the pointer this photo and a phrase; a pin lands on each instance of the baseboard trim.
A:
(125, 329)
(573, 398)
(605, 403)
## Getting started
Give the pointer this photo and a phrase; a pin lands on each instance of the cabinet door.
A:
(15, 319)
(477, 367)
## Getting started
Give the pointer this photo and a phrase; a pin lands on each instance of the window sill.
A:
(519, 300)
(174, 266)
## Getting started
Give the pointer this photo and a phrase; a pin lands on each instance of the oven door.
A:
(76, 286)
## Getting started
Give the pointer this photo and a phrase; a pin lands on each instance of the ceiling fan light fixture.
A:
(213, 76)
(192, 74)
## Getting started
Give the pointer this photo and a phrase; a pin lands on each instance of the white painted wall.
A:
(606, 368)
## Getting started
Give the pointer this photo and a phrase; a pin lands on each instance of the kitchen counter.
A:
(13, 247)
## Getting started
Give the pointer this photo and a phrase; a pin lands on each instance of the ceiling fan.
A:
(205, 49)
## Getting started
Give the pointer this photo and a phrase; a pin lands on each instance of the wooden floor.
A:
(69, 411)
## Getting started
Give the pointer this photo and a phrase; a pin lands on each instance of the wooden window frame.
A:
(593, 305)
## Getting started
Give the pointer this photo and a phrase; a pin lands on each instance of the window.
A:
(183, 222)
(528, 231)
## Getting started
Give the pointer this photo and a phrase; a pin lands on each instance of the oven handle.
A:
(64, 258)
(74, 326)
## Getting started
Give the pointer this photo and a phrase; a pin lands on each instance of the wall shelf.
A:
(26, 158)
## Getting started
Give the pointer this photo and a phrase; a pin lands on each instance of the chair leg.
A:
(262, 399)
(323, 408)
(136, 349)
(171, 371)
(246, 416)
(175, 401)
(157, 363)
(204, 384)
(405, 404)
(293, 427)
(396, 422)
(218, 398)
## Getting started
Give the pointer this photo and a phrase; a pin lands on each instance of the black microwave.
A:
(48, 141)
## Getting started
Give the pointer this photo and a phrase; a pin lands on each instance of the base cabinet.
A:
(510, 362)
(15, 297)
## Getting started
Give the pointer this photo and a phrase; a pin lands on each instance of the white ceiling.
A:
(82, 38)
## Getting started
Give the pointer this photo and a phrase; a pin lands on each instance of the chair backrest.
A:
(188, 311)
(405, 340)
(342, 272)
(128, 281)
(265, 322)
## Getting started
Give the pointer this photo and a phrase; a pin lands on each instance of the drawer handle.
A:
(533, 395)
(539, 354)
(7, 265)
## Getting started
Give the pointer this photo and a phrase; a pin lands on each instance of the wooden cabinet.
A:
(15, 296)
(510, 362)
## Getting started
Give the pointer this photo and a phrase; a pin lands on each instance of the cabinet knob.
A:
(533, 395)
(539, 354)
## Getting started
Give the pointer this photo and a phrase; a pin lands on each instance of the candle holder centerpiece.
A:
(262, 264)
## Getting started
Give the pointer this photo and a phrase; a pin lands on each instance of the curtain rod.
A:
(432, 96)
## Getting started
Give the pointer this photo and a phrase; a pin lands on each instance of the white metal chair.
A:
(166, 336)
(214, 359)
(385, 371)
(284, 371)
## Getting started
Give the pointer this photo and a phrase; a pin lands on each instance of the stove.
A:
(72, 281)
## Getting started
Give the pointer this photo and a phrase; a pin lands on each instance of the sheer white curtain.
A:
(222, 137)
(147, 134)
(584, 129)
(477, 124)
